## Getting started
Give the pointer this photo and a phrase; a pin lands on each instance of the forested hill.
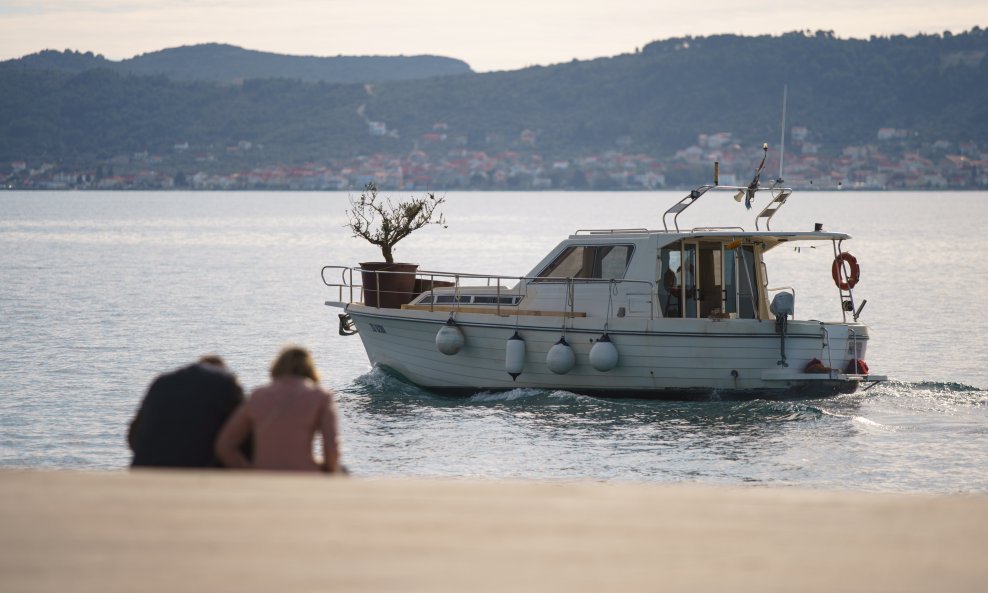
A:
(225, 63)
(660, 98)
(654, 101)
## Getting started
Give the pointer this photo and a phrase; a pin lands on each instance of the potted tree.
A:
(383, 222)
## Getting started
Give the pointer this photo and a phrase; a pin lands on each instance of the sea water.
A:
(101, 291)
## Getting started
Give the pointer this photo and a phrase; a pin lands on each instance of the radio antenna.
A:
(782, 143)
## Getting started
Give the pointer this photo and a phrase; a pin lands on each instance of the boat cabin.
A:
(705, 274)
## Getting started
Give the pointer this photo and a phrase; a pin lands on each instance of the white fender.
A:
(561, 359)
(449, 339)
(514, 356)
(604, 354)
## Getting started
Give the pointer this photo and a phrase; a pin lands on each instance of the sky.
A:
(488, 35)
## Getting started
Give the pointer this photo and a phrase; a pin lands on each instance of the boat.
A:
(670, 313)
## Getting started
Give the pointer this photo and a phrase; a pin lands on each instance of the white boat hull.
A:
(661, 358)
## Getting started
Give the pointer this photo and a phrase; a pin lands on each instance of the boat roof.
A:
(723, 233)
(672, 232)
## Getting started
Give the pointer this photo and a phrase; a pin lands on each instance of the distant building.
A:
(892, 134)
(377, 128)
(693, 154)
(855, 152)
(718, 140)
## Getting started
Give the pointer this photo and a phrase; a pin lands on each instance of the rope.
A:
(611, 293)
(567, 302)
(782, 325)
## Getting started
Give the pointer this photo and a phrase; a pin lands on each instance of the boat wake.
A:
(871, 424)
(535, 395)
(381, 384)
(932, 392)
(943, 387)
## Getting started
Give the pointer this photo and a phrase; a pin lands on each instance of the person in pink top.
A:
(284, 418)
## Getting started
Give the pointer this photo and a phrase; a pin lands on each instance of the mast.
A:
(782, 142)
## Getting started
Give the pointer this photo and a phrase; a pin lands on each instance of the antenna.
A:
(782, 143)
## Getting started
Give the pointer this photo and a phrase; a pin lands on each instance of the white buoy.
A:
(561, 359)
(604, 354)
(449, 339)
(514, 356)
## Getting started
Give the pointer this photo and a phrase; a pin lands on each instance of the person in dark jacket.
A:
(183, 411)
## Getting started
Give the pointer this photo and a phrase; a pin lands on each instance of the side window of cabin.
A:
(569, 264)
(591, 262)
(611, 262)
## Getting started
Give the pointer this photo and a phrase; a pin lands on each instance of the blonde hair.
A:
(294, 360)
(213, 359)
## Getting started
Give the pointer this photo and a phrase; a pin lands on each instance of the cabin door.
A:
(693, 274)
(688, 276)
(740, 282)
(710, 282)
(690, 270)
(680, 270)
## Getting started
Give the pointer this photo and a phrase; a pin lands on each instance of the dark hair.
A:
(294, 360)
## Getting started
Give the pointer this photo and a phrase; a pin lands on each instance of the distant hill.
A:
(60, 61)
(659, 99)
(654, 101)
(228, 63)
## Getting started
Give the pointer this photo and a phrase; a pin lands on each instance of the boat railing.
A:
(778, 200)
(611, 231)
(779, 197)
(709, 229)
(429, 281)
(345, 283)
(481, 279)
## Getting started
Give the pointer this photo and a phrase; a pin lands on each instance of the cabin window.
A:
(670, 270)
(710, 290)
(494, 300)
(731, 282)
(591, 262)
(678, 270)
(463, 299)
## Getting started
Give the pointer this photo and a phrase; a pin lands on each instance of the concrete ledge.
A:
(244, 532)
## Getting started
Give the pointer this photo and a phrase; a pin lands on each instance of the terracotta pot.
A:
(388, 286)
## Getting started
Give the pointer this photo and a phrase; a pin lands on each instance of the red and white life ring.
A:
(838, 271)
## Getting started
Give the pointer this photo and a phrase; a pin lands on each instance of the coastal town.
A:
(894, 160)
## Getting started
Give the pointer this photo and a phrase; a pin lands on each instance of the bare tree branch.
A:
(383, 222)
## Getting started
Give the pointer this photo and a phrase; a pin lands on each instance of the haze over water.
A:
(102, 291)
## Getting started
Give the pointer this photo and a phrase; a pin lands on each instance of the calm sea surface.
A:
(99, 292)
